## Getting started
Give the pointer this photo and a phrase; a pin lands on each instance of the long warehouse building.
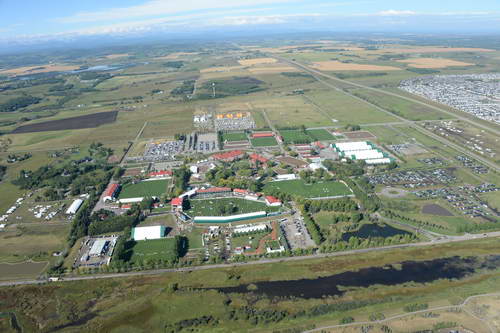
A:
(74, 207)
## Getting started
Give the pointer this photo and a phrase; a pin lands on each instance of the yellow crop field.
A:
(39, 69)
(257, 61)
(221, 69)
(433, 62)
(340, 66)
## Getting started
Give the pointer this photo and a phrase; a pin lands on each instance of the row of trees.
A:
(17, 103)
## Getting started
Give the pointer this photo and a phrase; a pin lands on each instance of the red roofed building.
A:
(272, 201)
(319, 145)
(159, 174)
(262, 135)
(110, 192)
(240, 192)
(229, 156)
(254, 158)
(176, 204)
(212, 192)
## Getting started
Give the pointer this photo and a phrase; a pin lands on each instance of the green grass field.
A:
(294, 136)
(320, 135)
(154, 249)
(144, 189)
(236, 136)
(316, 190)
(210, 207)
(248, 240)
(264, 142)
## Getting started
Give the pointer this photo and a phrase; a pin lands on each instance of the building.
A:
(228, 219)
(99, 247)
(256, 159)
(238, 192)
(362, 150)
(315, 166)
(111, 192)
(194, 169)
(160, 174)
(73, 208)
(213, 192)
(245, 228)
(288, 176)
(294, 162)
(229, 156)
(177, 204)
(256, 135)
(145, 233)
(272, 201)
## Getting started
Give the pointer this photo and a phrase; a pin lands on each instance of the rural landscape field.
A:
(295, 182)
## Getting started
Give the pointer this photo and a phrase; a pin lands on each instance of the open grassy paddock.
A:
(320, 189)
(144, 189)
(264, 142)
(153, 249)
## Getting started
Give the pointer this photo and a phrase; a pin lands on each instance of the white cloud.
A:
(392, 12)
(161, 7)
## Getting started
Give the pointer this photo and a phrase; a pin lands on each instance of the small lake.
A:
(404, 272)
(21, 270)
(101, 68)
(374, 230)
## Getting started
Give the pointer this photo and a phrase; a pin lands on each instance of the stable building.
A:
(272, 201)
(73, 208)
(177, 203)
(229, 156)
(160, 174)
(147, 233)
(111, 192)
(214, 192)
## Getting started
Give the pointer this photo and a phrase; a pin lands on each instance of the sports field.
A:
(154, 249)
(212, 207)
(144, 189)
(295, 136)
(236, 136)
(320, 135)
(264, 142)
(316, 190)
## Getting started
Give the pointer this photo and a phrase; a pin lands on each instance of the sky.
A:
(37, 19)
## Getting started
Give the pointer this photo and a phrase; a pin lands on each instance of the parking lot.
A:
(414, 178)
(296, 233)
(162, 151)
(234, 121)
(464, 199)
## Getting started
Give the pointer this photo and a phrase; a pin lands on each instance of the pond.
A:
(374, 230)
(389, 275)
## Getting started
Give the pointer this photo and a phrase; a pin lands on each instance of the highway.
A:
(435, 241)
(414, 124)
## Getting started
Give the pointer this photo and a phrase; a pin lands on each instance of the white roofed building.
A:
(145, 233)
(73, 208)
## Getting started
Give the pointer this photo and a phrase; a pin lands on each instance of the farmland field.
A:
(211, 207)
(316, 190)
(264, 142)
(87, 121)
(144, 189)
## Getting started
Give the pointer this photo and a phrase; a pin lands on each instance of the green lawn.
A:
(295, 136)
(264, 142)
(236, 136)
(320, 135)
(144, 189)
(248, 240)
(210, 207)
(316, 190)
(154, 249)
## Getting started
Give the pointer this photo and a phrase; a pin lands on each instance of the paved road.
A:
(439, 308)
(273, 128)
(448, 239)
(316, 74)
